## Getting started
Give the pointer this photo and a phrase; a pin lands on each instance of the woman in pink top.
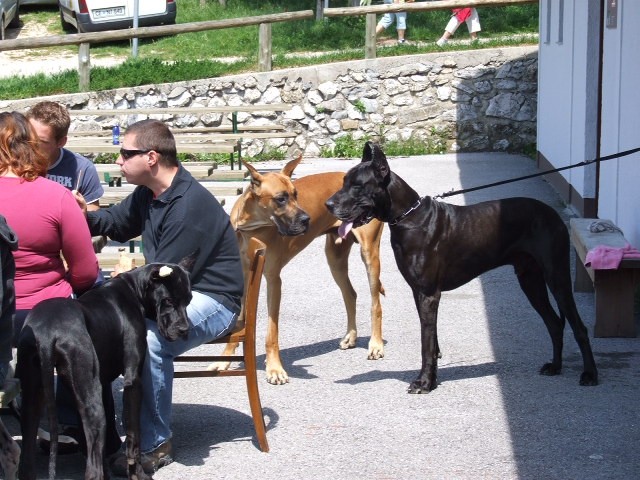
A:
(47, 220)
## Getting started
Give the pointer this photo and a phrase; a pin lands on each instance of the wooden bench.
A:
(614, 289)
(109, 260)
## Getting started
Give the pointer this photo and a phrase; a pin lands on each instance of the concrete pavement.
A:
(345, 417)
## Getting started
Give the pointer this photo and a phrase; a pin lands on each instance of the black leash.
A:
(539, 174)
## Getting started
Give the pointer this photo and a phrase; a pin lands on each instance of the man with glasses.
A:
(176, 217)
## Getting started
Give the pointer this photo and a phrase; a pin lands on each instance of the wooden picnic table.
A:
(265, 107)
(114, 195)
(187, 147)
(220, 142)
(272, 127)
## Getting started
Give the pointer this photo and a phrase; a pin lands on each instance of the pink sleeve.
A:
(77, 248)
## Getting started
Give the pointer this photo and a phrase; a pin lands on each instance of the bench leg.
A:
(583, 282)
(614, 303)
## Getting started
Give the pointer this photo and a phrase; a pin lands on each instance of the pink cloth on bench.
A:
(603, 257)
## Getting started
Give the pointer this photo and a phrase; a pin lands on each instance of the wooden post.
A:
(319, 10)
(264, 48)
(84, 67)
(370, 37)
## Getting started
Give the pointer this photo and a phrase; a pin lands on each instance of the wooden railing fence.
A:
(84, 40)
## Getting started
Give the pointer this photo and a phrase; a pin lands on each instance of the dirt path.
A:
(44, 60)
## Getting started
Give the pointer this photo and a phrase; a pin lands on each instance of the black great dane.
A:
(90, 342)
(439, 247)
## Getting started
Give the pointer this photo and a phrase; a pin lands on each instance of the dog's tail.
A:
(46, 352)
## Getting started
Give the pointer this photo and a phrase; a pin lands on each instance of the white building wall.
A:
(619, 196)
(554, 89)
(568, 93)
(567, 87)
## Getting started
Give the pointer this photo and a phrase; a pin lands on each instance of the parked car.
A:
(9, 15)
(100, 15)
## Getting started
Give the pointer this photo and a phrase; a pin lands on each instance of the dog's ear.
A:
(256, 178)
(188, 261)
(291, 166)
(379, 161)
(367, 152)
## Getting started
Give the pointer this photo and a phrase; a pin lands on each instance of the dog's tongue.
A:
(344, 229)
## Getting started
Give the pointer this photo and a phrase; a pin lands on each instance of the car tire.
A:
(15, 23)
(66, 26)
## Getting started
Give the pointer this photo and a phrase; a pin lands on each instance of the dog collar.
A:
(401, 217)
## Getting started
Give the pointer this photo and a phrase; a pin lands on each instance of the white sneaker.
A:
(442, 42)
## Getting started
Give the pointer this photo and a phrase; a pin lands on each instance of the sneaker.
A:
(151, 461)
(442, 42)
(402, 42)
(68, 436)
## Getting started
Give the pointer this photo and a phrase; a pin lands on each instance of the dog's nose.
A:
(304, 220)
(329, 204)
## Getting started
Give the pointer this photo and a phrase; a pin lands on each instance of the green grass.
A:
(348, 147)
(192, 56)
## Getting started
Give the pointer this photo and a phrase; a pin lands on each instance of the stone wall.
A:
(482, 100)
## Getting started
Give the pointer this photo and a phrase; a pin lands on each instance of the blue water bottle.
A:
(116, 135)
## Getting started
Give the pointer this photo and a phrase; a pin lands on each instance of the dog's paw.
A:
(218, 366)
(550, 369)
(588, 379)
(420, 386)
(376, 352)
(348, 341)
(277, 376)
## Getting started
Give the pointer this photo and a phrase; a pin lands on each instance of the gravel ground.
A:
(343, 416)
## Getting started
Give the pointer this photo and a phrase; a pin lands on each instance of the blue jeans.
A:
(209, 320)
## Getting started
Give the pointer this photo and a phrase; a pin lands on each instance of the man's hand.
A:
(80, 200)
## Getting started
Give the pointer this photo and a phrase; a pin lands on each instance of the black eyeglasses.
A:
(127, 154)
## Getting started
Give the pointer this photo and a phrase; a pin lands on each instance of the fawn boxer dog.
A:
(439, 247)
(287, 216)
(90, 342)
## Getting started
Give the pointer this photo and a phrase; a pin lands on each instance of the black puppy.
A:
(90, 342)
(439, 247)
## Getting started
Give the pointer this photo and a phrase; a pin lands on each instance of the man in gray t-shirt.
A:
(51, 122)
